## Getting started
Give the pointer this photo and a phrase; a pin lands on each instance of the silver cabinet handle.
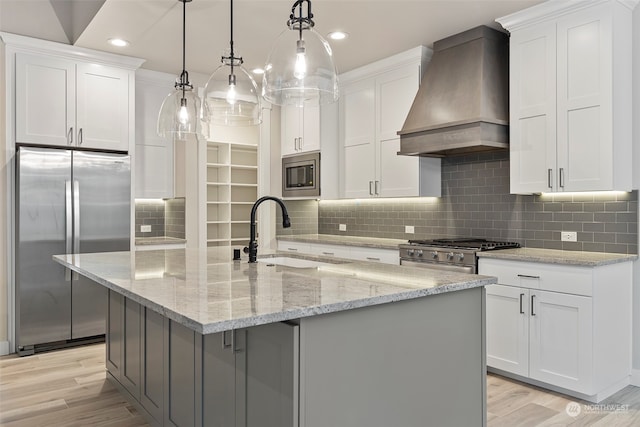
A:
(80, 139)
(70, 136)
(521, 309)
(295, 144)
(532, 303)
(550, 177)
(561, 179)
(377, 190)
(301, 142)
(68, 213)
(328, 253)
(76, 216)
(526, 276)
(371, 188)
(292, 249)
(373, 258)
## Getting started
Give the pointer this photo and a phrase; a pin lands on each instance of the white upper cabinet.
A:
(154, 171)
(570, 71)
(374, 103)
(300, 129)
(66, 103)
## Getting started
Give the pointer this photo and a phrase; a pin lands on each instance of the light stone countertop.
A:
(555, 256)
(331, 239)
(163, 240)
(208, 292)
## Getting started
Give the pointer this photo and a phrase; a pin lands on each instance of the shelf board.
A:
(241, 203)
(234, 239)
(217, 183)
(235, 184)
(217, 240)
(218, 165)
(217, 203)
(241, 222)
(217, 222)
(246, 167)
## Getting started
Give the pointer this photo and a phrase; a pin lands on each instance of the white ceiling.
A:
(377, 28)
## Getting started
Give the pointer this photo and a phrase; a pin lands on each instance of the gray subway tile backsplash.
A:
(166, 217)
(476, 202)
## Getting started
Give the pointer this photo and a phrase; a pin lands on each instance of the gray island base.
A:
(341, 344)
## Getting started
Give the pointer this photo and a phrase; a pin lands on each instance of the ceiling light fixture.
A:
(300, 67)
(180, 112)
(258, 71)
(231, 95)
(337, 35)
(118, 42)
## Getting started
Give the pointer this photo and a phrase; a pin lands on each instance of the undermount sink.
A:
(293, 262)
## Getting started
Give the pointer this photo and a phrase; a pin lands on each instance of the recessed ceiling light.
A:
(257, 71)
(337, 35)
(118, 42)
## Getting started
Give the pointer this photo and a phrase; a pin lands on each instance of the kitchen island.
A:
(197, 339)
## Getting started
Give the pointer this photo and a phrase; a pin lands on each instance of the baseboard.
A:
(635, 377)
(4, 348)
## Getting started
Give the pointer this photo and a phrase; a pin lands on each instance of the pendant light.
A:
(180, 112)
(231, 95)
(300, 67)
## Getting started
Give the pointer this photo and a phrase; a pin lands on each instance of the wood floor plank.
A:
(68, 388)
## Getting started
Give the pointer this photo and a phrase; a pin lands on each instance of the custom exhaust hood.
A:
(462, 105)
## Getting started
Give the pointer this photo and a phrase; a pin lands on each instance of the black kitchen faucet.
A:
(252, 249)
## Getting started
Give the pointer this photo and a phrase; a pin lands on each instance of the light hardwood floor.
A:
(69, 388)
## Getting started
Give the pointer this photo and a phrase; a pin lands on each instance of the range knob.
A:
(460, 256)
(411, 252)
(434, 255)
(450, 256)
(419, 252)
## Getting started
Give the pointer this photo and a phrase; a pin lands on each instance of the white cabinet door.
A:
(154, 154)
(398, 176)
(584, 99)
(532, 144)
(508, 328)
(357, 126)
(561, 340)
(45, 100)
(300, 129)
(102, 107)
(310, 136)
(291, 124)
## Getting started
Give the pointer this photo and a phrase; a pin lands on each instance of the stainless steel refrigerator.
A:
(66, 202)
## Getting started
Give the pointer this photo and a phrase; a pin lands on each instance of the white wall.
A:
(4, 206)
(636, 178)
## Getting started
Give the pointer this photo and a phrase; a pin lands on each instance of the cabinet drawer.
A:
(338, 251)
(551, 277)
(386, 256)
(295, 247)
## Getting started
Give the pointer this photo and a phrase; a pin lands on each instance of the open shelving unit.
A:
(232, 188)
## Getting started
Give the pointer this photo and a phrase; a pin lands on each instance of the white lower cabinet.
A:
(359, 253)
(580, 343)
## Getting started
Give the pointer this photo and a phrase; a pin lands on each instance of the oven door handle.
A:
(443, 267)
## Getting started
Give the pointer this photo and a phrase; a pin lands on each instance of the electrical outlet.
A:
(409, 229)
(569, 236)
(342, 227)
(145, 229)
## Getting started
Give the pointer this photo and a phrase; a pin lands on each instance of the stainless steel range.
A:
(448, 254)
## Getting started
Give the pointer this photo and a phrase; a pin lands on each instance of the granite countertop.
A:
(554, 256)
(205, 290)
(330, 239)
(162, 240)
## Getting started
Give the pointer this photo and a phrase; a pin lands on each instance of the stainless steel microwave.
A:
(301, 175)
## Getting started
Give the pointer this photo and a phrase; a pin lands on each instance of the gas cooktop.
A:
(464, 243)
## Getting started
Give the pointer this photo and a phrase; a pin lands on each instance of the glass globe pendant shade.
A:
(180, 115)
(231, 96)
(300, 70)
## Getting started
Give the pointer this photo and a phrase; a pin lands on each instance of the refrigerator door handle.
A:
(68, 213)
(76, 219)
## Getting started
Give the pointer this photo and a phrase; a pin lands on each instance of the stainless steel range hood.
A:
(462, 105)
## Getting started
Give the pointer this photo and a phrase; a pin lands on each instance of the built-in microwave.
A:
(301, 175)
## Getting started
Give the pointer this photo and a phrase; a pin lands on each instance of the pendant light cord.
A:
(233, 57)
(184, 46)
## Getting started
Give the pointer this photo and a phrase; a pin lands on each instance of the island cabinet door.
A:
(130, 370)
(182, 350)
(114, 335)
(153, 363)
(271, 375)
(219, 379)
